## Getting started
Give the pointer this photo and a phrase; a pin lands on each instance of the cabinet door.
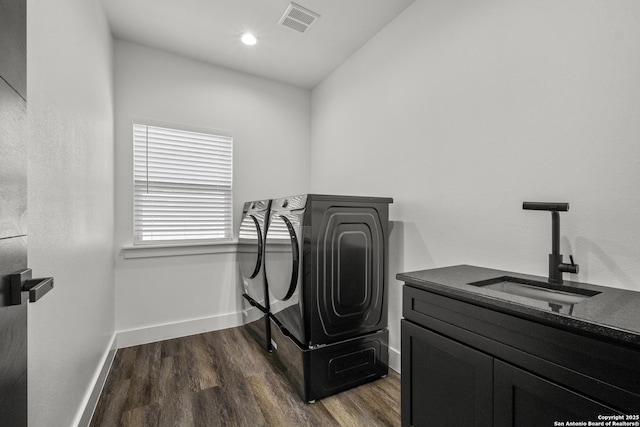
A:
(444, 383)
(526, 400)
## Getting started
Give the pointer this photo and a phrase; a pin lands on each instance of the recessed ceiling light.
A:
(249, 39)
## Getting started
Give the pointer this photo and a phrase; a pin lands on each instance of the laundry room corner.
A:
(194, 288)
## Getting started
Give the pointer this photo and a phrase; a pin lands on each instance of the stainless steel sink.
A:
(559, 298)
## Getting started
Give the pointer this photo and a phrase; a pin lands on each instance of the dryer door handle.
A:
(260, 247)
(295, 254)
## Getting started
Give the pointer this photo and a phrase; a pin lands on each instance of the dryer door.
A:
(282, 258)
(250, 247)
(283, 269)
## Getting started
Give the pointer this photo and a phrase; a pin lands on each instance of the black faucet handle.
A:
(569, 268)
(545, 206)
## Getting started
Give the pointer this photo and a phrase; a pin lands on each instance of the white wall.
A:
(270, 125)
(461, 110)
(70, 203)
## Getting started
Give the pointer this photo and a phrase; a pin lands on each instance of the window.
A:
(182, 185)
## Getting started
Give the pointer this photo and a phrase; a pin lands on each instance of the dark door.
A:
(13, 336)
(13, 203)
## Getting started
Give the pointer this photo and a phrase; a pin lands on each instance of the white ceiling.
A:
(209, 30)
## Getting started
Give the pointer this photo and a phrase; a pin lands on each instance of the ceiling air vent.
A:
(298, 18)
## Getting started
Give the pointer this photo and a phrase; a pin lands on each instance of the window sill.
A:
(162, 250)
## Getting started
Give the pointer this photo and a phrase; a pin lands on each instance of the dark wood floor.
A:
(224, 378)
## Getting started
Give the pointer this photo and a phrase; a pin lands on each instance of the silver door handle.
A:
(22, 282)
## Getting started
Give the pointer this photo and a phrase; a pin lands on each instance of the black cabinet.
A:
(526, 400)
(470, 365)
(447, 383)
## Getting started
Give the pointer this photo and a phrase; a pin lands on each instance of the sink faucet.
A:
(556, 266)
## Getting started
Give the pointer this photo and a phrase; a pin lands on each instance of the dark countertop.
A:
(613, 314)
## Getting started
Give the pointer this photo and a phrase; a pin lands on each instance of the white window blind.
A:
(182, 185)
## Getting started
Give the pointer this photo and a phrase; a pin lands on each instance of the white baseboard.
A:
(394, 359)
(131, 337)
(100, 377)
